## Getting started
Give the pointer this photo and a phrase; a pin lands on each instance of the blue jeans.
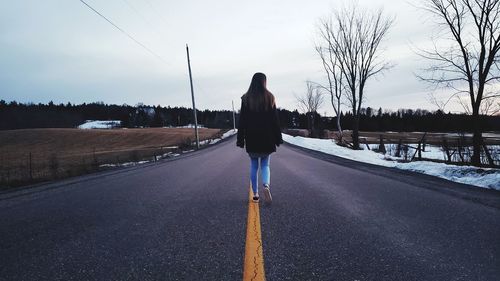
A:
(265, 171)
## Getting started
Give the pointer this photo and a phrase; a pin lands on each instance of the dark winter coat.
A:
(258, 131)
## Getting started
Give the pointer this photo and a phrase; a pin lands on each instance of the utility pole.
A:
(192, 97)
(234, 119)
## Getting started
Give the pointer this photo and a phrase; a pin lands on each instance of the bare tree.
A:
(333, 74)
(440, 104)
(469, 64)
(309, 103)
(490, 106)
(354, 37)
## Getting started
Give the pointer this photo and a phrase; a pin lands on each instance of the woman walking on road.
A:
(259, 131)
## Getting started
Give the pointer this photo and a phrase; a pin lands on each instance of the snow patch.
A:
(100, 124)
(126, 164)
(191, 126)
(214, 141)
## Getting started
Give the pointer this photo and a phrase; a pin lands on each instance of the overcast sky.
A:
(60, 50)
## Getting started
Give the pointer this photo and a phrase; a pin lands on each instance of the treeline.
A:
(402, 120)
(409, 120)
(15, 115)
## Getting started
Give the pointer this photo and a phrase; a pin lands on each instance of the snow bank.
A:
(214, 141)
(100, 124)
(229, 133)
(126, 164)
(431, 151)
(481, 177)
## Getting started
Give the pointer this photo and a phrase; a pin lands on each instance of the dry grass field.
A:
(33, 155)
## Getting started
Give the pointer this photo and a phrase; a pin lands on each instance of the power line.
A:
(141, 16)
(157, 13)
(124, 32)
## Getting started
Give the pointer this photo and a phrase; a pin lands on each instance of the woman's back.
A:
(259, 131)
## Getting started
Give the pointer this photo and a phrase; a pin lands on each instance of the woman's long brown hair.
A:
(258, 97)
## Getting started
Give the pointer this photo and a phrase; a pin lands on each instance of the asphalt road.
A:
(331, 219)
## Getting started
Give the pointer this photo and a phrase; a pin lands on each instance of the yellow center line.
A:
(254, 260)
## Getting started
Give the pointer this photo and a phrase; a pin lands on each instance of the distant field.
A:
(57, 153)
(490, 138)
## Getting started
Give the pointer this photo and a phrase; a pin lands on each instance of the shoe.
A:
(267, 194)
(255, 199)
